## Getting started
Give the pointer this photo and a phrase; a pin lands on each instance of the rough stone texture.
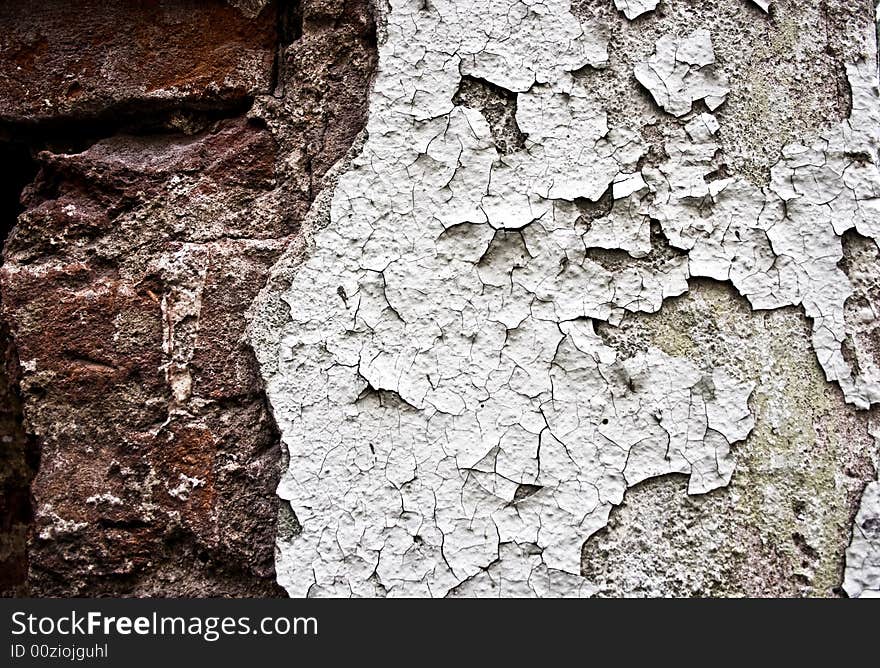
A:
(483, 343)
(863, 555)
(249, 8)
(126, 279)
(84, 58)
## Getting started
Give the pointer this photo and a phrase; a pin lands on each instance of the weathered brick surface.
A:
(83, 58)
(127, 277)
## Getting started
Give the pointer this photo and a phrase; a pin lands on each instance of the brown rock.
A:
(84, 58)
(142, 466)
(126, 280)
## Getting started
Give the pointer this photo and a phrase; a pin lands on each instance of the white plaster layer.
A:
(862, 575)
(451, 417)
(682, 72)
(635, 8)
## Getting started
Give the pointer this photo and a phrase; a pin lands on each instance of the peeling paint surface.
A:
(634, 8)
(862, 573)
(863, 555)
(681, 72)
(455, 422)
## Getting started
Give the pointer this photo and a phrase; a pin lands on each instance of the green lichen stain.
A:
(789, 504)
(760, 95)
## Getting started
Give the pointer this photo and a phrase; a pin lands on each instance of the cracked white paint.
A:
(635, 8)
(454, 424)
(862, 575)
(681, 72)
(780, 245)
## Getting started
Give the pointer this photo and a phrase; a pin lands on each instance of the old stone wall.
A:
(484, 298)
(176, 147)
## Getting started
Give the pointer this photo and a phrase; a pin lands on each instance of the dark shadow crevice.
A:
(19, 455)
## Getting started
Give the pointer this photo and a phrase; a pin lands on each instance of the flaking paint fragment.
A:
(634, 8)
(780, 245)
(682, 72)
(462, 366)
(862, 575)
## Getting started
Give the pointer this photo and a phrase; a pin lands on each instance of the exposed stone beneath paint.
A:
(126, 278)
(780, 528)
